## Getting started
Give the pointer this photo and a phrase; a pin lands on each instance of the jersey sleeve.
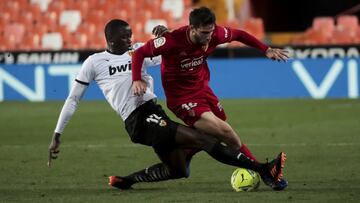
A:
(226, 34)
(70, 106)
(148, 61)
(223, 34)
(159, 45)
(151, 48)
(247, 39)
(86, 73)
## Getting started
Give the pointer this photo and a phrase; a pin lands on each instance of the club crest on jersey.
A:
(159, 42)
(162, 123)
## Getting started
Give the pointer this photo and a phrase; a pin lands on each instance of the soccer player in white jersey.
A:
(145, 121)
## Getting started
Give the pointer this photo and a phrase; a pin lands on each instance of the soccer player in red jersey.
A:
(185, 74)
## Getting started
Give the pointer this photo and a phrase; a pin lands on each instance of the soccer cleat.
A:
(280, 185)
(272, 176)
(275, 185)
(275, 166)
(120, 182)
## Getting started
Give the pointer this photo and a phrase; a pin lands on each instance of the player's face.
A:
(202, 35)
(122, 39)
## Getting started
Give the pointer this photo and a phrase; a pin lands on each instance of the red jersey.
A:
(184, 70)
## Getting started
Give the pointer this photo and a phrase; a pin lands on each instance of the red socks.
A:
(247, 152)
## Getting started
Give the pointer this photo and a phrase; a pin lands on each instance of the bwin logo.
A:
(121, 68)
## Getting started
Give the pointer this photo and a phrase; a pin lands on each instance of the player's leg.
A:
(191, 112)
(173, 166)
(198, 113)
(149, 125)
(211, 124)
(188, 137)
(218, 110)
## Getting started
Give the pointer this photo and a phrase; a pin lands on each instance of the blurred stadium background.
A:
(308, 107)
(29, 25)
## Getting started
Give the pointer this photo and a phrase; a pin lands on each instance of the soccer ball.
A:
(245, 180)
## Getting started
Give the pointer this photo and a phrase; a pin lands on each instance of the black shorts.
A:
(149, 125)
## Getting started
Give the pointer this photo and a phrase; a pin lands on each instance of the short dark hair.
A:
(201, 17)
(112, 27)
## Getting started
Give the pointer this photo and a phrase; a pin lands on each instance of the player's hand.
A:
(277, 54)
(159, 30)
(54, 148)
(139, 87)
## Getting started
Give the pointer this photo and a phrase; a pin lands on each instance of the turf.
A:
(321, 138)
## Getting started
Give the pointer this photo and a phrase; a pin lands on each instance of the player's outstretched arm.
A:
(69, 108)
(277, 54)
(248, 39)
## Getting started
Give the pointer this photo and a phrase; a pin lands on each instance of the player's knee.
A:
(225, 130)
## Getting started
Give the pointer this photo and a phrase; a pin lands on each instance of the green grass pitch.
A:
(321, 139)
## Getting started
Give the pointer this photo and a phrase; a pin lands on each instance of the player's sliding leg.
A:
(187, 137)
(155, 173)
(174, 165)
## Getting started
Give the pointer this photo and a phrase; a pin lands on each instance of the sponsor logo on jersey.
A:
(121, 68)
(189, 64)
(159, 42)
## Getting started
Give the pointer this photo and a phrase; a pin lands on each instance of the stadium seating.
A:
(324, 30)
(84, 20)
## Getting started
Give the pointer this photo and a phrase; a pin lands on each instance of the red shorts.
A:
(190, 110)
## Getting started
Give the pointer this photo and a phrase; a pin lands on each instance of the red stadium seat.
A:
(35, 10)
(16, 29)
(324, 24)
(88, 28)
(98, 41)
(348, 22)
(57, 6)
(342, 37)
(27, 19)
(8, 43)
(4, 18)
(31, 42)
(51, 20)
(76, 41)
(346, 31)
(321, 31)
(317, 37)
(255, 26)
